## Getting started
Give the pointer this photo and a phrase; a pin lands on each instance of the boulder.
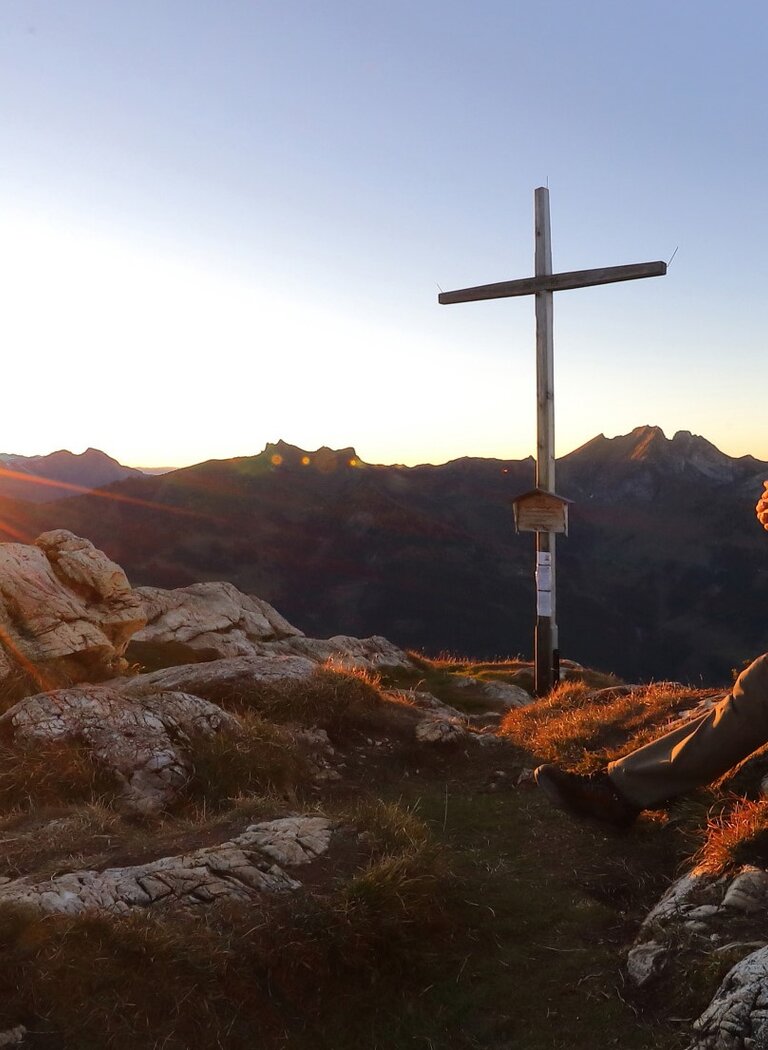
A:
(701, 910)
(238, 870)
(143, 741)
(66, 611)
(204, 621)
(211, 621)
(737, 1017)
(487, 691)
(13, 1036)
(351, 654)
(439, 731)
(227, 674)
(425, 702)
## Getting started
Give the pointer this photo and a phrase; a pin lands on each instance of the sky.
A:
(224, 224)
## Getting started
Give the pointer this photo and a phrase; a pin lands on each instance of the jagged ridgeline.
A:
(662, 575)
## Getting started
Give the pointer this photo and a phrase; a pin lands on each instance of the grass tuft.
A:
(261, 759)
(582, 731)
(736, 837)
(343, 703)
(56, 773)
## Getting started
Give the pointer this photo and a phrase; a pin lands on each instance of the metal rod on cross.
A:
(542, 285)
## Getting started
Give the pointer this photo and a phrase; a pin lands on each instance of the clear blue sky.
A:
(225, 223)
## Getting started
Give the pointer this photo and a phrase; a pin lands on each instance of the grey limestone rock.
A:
(229, 672)
(737, 1017)
(490, 691)
(439, 731)
(700, 906)
(208, 620)
(238, 870)
(143, 741)
(351, 654)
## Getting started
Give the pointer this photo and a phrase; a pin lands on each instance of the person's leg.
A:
(701, 750)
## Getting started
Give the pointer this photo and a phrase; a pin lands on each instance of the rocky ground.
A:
(214, 829)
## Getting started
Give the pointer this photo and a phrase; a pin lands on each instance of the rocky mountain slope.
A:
(662, 575)
(331, 842)
(41, 479)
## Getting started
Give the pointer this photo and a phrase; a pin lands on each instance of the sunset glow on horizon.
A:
(194, 265)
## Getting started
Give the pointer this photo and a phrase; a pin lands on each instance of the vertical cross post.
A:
(542, 285)
(546, 654)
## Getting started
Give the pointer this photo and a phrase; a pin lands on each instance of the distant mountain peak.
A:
(39, 479)
(644, 459)
(647, 440)
(324, 459)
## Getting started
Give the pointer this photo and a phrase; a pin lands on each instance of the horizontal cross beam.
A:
(555, 282)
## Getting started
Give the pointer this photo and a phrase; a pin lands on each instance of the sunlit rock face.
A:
(204, 621)
(66, 611)
(216, 675)
(351, 654)
(216, 621)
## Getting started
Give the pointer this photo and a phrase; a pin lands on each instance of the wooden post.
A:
(546, 624)
(542, 285)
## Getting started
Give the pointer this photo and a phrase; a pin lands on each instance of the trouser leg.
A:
(702, 749)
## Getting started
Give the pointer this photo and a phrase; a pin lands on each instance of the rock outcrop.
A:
(737, 1017)
(491, 692)
(206, 678)
(212, 621)
(204, 621)
(351, 654)
(66, 611)
(725, 913)
(143, 741)
(238, 870)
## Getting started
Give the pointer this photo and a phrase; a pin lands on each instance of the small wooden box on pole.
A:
(541, 511)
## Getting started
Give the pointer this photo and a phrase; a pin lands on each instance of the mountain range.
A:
(40, 479)
(663, 574)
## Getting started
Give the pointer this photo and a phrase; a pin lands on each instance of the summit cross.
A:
(542, 285)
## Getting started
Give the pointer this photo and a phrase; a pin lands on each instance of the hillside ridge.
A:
(662, 574)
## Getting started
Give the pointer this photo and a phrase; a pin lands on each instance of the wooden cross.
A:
(542, 285)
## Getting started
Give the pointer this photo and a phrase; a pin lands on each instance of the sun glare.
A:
(160, 358)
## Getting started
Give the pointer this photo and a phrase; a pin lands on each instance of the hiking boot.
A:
(594, 797)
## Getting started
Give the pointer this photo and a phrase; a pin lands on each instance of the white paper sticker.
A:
(544, 578)
(544, 603)
(544, 557)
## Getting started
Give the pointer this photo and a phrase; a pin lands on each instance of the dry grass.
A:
(182, 983)
(49, 774)
(18, 684)
(737, 836)
(61, 839)
(262, 759)
(388, 828)
(438, 676)
(343, 703)
(582, 731)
